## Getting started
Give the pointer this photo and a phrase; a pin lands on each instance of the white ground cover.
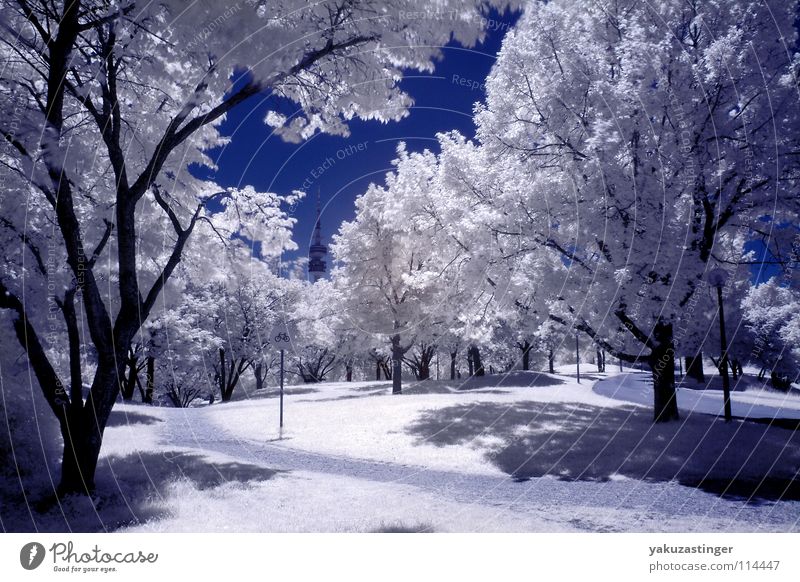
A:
(523, 452)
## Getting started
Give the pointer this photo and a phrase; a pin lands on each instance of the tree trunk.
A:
(387, 370)
(736, 369)
(378, 370)
(662, 363)
(82, 442)
(600, 364)
(348, 368)
(150, 384)
(129, 386)
(259, 378)
(82, 427)
(397, 365)
(424, 372)
(421, 362)
(694, 367)
(526, 354)
(476, 361)
(453, 364)
(551, 360)
(221, 372)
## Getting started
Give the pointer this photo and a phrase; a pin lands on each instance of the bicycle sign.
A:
(282, 339)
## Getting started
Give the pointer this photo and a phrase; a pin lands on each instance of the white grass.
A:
(441, 457)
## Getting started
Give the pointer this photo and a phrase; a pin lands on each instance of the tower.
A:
(317, 252)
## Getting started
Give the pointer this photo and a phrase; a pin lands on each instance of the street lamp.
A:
(717, 278)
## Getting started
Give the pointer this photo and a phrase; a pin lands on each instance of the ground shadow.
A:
(400, 527)
(272, 392)
(573, 441)
(378, 386)
(131, 491)
(345, 397)
(490, 383)
(741, 384)
(125, 418)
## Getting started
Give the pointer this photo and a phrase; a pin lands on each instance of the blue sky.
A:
(342, 168)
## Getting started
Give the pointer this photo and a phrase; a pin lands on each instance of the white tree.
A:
(634, 141)
(322, 339)
(396, 269)
(106, 104)
(772, 313)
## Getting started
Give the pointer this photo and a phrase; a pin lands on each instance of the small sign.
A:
(282, 334)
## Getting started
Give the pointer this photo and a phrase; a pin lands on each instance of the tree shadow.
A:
(400, 527)
(345, 397)
(573, 441)
(132, 490)
(489, 384)
(381, 386)
(741, 384)
(272, 392)
(125, 418)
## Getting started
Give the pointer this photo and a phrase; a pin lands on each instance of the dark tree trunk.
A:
(387, 369)
(694, 367)
(229, 373)
(259, 374)
(397, 365)
(150, 384)
(82, 427)
(526, 354)
(82, 443)
(378, 370)
(221, 375)
(348, 372)
(551, 360)
(453, 364)
(477, 366)
(129, 386)
(424, 372)
(662, 363)
(469, 362)
(736, 369)
(421, 360)
(600, 364)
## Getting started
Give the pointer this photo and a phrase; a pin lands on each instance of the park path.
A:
(641, 505)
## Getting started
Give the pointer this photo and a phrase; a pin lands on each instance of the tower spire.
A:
(317, 251)
(318, 225)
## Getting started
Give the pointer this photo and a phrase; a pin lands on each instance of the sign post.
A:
(281, 421)
(281, 339)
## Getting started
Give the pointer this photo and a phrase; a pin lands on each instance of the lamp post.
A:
(717, 278)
